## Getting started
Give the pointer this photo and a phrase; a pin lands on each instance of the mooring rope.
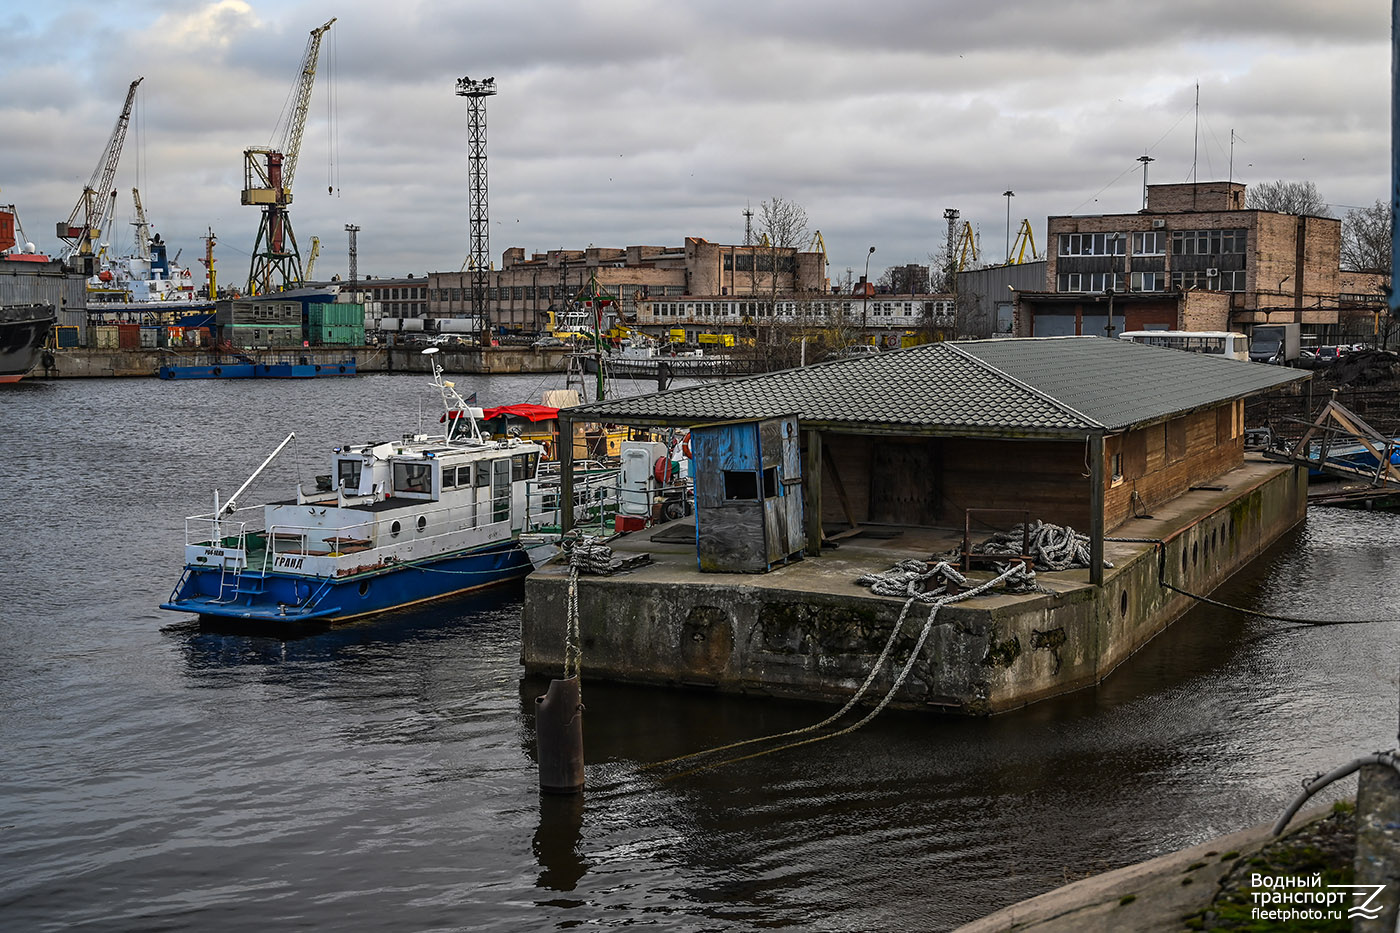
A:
(913, 577)
(1054, 547)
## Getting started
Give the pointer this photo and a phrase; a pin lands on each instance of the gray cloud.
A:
(625, 122)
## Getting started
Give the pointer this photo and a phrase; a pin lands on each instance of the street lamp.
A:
(865, 291)
(1008, 194)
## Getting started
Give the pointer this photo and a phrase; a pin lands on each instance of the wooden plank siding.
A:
(1162, 461)
(1050, 479)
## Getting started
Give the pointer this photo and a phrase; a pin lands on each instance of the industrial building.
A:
(523, 291)
(1193, 259)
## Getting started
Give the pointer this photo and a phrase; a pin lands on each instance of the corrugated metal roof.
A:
(1037, 386)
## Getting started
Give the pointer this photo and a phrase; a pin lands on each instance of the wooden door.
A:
(905, 481)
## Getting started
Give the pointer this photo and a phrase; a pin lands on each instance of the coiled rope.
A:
(1054, 547)
(912, 578)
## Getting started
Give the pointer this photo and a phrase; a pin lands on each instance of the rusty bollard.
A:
(559, 737)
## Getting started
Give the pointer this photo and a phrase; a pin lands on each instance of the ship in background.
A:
(24, 325)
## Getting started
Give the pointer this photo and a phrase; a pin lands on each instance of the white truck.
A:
(1275, 343)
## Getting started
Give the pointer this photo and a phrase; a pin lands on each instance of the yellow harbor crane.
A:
(143, 227)
(1025, 240)
(89, 216)
(966, 247)
(267, 183)
(311, 260)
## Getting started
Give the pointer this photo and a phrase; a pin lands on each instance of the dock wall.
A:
(987, 655)
(90, 363)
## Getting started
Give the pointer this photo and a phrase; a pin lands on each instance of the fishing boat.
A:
(649, 362)
(394, 523)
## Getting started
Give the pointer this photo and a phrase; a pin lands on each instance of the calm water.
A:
(157, 777)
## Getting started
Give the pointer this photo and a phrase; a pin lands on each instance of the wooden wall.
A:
(1162, 461)
(1048, 478)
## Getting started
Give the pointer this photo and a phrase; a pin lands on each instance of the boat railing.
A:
(215, 530)
(422, 531)
(596, 494)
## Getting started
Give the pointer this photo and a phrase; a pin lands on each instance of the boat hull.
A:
(22, 334)
(294, 599)
(259, 370)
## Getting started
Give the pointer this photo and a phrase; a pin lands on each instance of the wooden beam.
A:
(840, 492)
(1096, 519)
(812, 491)
(565, 448)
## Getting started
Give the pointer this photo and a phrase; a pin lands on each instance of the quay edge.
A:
(807, 631)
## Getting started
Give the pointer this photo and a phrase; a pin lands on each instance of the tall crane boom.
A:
(267, 183)
(78, 236)
(143, 228)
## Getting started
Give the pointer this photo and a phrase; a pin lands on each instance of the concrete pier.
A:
(808, 631)
(90, 363)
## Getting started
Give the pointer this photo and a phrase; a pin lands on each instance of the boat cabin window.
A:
(483, 474)
(348, 473)
(413, 478)
(523, 466)
(451, 477)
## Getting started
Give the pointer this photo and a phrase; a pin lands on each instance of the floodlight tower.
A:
(479, 256)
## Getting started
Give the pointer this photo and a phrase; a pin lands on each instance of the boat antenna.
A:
(455, 408)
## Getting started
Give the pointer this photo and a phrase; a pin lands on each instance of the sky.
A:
(621, 122)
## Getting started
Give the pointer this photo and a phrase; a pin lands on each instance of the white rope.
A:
(912, 573)
(573, 650)
(1053, 547)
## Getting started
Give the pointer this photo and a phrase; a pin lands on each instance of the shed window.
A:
(770, 482)
(740, 484)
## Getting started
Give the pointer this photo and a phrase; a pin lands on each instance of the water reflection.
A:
(209, 644)
(556, 842)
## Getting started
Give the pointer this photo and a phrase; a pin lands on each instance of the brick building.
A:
(523, 291)
(1193, 259)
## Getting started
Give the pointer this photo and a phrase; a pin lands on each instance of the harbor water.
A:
(158, 776)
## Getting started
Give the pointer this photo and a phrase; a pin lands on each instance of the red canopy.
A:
(525, 410)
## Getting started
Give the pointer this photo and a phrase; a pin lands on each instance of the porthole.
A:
(1123, 605)
(394, 529)
(422, 522)
(364, 587)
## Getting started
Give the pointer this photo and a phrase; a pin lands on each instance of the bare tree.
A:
(1366, 238)
(783, 222)
(1287, 197)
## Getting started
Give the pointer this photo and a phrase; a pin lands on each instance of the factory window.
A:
(457, 294)
(1092, 244)
(1208, 242)
(1148, 281)
(744, 262)
(1149, 243)
(1071, 282)
(517, 292)
(728, 262)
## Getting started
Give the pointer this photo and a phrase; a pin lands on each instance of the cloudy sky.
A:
(621, 123)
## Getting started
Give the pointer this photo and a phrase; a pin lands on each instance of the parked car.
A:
(1326, 356)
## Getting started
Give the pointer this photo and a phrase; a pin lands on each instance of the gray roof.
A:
(1046, 386)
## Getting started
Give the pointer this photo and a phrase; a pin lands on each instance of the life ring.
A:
(685, 446)
(187, 273)
(548, 446)
(661, 469)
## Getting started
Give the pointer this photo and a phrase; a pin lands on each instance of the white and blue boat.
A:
(393, 524)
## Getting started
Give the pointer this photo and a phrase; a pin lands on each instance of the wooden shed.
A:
(748, 494)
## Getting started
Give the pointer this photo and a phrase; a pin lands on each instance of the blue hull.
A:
(284, 599)
(260, 370)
